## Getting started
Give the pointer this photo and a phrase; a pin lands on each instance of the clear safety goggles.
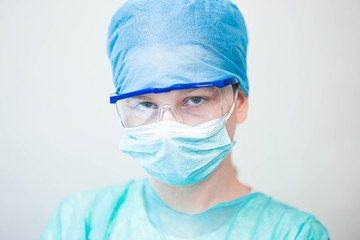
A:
(188, 106)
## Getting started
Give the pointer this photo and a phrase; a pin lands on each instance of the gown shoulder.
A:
(79, 214)
(265, 218)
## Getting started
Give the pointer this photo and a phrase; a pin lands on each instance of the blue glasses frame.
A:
(219, 83)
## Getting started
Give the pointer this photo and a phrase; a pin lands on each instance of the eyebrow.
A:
(144, 97)
(208, 89)
(189, 90)
(140, 97)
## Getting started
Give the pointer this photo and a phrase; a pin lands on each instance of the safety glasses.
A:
(191, 106)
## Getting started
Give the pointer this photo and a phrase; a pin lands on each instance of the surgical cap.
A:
(157, 44)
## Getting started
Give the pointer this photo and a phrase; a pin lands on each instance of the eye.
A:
(195, 100)
(147, 105)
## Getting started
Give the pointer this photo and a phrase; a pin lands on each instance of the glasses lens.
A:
(191, 106)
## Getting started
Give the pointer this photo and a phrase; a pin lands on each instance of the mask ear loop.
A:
(233, 104)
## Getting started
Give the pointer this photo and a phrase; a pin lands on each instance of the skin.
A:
(221, 186)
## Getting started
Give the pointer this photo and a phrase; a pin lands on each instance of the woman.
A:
(179, 69)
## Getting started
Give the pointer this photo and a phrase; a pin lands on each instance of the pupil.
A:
(196, 100)
(147, 104)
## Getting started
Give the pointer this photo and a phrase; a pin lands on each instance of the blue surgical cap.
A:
(158, 44)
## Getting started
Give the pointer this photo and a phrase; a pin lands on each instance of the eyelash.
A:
(186, 102)
(202, 99)
(143, 104)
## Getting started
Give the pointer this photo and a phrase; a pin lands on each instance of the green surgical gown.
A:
(134, 211)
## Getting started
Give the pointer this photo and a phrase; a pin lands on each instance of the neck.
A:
(221, 186)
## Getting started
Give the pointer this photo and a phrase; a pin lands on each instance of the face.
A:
(193, 106)
(188, 106)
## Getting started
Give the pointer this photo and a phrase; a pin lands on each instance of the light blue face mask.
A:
(178, 154)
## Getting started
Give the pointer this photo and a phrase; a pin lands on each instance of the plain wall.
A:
(59, 134)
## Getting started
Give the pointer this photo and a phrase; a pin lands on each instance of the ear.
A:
(241, 107)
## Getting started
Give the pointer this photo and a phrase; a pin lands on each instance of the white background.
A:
(59, 134)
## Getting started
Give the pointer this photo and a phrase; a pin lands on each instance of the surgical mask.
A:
(178, 154)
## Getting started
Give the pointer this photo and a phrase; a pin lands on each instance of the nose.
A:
(168, 113)
(168, 116)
